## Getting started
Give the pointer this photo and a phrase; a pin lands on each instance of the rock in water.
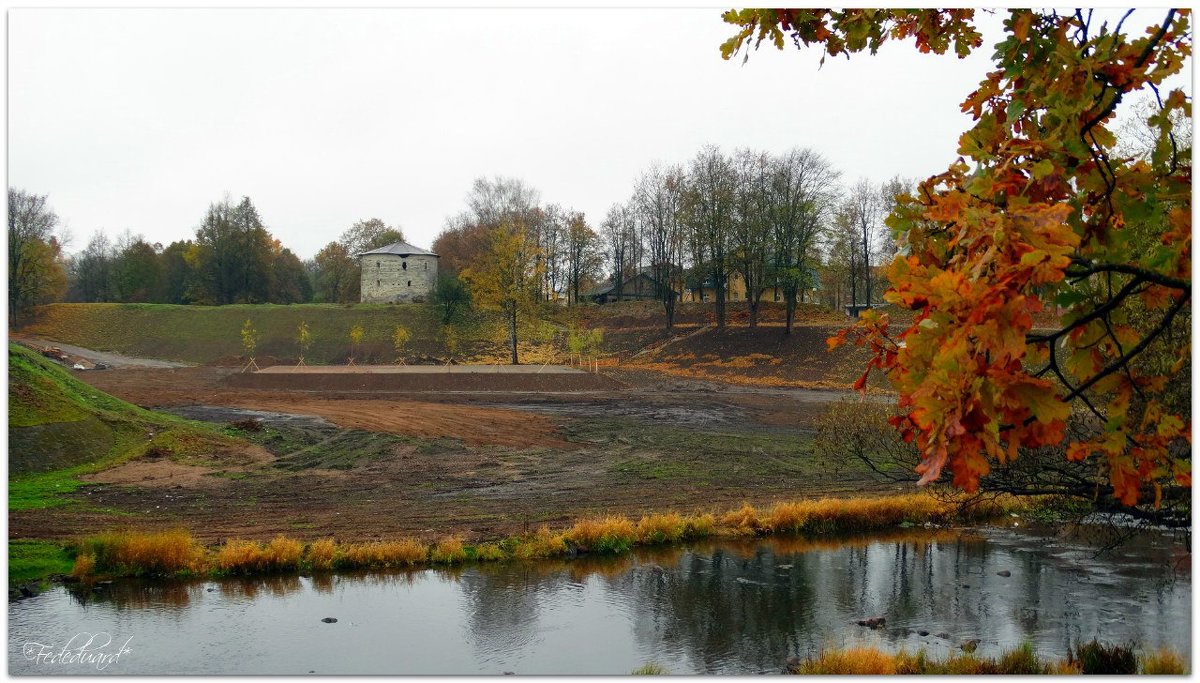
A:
(329, 620)
(970, 645)
(1004, 572)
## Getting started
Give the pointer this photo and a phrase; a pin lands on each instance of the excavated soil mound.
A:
(506, 378)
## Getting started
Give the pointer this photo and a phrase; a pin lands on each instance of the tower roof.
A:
(400, 249)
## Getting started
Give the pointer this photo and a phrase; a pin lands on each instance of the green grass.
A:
(202, 334)
(61, 429)
(36, 560)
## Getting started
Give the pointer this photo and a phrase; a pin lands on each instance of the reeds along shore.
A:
(1089, 658)
(177, 553)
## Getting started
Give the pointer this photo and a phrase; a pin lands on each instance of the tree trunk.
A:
(790, 297)
(512, 336)
(719, 293)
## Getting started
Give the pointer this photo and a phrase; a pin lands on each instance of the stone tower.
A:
(397, 274)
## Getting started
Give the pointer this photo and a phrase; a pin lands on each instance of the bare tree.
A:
(657, 197)
(751, 235)
(583, 256)
(494, 200)
(710, 199)
(620, 236)
(803, 188)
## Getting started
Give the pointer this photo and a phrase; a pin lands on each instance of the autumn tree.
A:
(36, 270)
(1040, 208)
(400, 339)
(584, 259)
(303, 340)
(336, 275)
(507, 278)
(356, 336)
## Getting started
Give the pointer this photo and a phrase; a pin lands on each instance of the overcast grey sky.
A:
(139, 118)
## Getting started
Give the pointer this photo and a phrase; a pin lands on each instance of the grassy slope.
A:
(60, 428)
(203, 334)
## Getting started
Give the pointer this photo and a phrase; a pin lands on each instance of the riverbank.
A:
(132, 553)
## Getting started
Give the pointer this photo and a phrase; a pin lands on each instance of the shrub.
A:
(1022, 661)
(649, 669)
(1098, 658)
(322, 554)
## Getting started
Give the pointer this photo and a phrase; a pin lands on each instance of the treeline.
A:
(232, 258)
(779, 223)
(778, 226)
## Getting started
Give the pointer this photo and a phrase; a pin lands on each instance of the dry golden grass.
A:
(85, 564)
(662, 528)
(1164, 662)
(700, 526)
(403, 553)
(611, 534)
(855, 661)
(448, 551)
(544, 543)
(283, 553)
(322, 554)
(743, 520)
(1019, 661)
(489, 552)
(241, 557)
(144, 553)
(136, 554)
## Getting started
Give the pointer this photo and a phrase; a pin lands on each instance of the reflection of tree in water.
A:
(739, 608)
(137, 594)
(502, 602)
(711, 605)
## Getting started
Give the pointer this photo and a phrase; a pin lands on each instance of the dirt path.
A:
(113, 360)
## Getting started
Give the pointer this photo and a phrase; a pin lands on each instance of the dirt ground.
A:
(379, 464)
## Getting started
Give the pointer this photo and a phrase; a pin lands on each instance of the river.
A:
(723, 607)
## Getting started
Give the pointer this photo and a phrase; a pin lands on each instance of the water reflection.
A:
(721, 607)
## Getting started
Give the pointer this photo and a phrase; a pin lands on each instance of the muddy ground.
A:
(378, 464)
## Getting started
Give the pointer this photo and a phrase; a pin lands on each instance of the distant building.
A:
(398, 273)
(641, 285)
